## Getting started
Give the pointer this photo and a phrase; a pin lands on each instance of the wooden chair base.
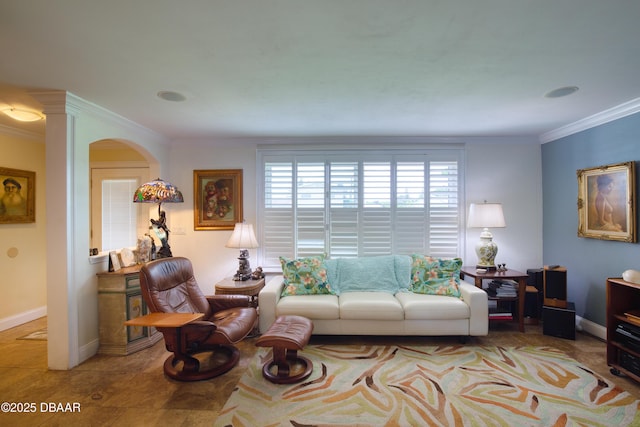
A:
(191, 369)
(283, 360)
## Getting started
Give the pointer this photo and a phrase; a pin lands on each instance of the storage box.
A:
(559, 322)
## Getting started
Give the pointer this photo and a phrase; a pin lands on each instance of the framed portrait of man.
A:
(17, 202)
(606, 202)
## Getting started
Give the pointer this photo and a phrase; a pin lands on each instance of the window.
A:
(353, 203)
(117, 222)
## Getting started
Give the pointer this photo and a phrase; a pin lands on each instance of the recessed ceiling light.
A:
(22, 115)
(169, 95)
(561, 91)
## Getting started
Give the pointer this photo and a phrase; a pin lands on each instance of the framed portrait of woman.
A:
(217, 199)
(17, 202)
(606, 202)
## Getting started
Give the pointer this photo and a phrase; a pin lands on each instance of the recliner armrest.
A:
(223, 302)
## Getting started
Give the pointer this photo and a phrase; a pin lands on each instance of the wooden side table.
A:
(251, 287)
(518, 276)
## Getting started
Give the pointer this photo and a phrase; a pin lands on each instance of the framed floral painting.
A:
(17, 203)
(606, 202)
(217, 199)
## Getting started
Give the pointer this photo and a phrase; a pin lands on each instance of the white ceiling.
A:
(252, 68)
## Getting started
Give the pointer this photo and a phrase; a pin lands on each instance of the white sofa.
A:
(373, 312)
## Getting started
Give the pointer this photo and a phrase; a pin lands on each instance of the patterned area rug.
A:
(431, 386)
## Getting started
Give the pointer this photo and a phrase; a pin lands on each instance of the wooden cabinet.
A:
(622, 297)
(119, 300)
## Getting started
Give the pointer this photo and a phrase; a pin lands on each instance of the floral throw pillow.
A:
(305, 276)
(435, 276)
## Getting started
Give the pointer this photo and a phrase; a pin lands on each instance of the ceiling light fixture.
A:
(22, 115)
(169, 95)
(561, 91)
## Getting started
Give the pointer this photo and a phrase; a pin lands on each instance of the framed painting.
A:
(17, 204)
(606, 202)
(217, 199)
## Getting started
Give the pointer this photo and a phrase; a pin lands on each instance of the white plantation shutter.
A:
(444, 209)
(277, 237)
(309, 211)
(348, 204)
(411, 216)
(376, 224)
(344, 197)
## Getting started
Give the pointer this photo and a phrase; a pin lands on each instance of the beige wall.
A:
(113, 151)
(23, 282)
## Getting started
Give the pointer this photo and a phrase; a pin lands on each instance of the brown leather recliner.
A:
(169, 286)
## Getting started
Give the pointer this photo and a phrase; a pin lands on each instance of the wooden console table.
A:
(120, 299)
(517, 276)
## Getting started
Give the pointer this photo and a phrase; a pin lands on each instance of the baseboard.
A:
(591, 328)
(89, 350)
(19, 319)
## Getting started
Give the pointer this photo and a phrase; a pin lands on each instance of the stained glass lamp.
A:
(159, 191)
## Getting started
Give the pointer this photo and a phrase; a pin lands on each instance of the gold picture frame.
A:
(217, 199)
(17, 203)
(606, 202)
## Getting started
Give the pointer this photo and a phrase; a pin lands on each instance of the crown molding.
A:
(21, 133)
(67, 102)
(615, 113)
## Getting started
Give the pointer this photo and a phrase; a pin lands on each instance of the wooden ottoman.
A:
(287, 335)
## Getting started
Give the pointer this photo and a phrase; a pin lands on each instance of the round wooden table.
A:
(249, 287)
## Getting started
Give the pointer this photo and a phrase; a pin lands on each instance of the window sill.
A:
(98, 259)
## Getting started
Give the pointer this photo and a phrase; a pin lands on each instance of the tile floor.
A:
(132, 390)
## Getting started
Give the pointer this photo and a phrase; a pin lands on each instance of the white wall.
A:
(72, 125)
(205, 248)
(509, 174)
(501, 171)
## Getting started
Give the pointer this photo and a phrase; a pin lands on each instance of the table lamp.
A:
(486, 215)
(243, 238)
(159, 191)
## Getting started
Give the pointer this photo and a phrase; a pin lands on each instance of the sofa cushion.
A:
(312, 306)
(370, 306)
(367, 274)
(332, 274)
(403, 271)
(435, 276)
(305, 276)
(432, 307)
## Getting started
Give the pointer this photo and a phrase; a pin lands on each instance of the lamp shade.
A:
(486, 215)
(157, 191)
(242, 237)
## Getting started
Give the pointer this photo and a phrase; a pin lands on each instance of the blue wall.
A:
(589, 261)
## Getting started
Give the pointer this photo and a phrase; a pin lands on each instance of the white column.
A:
(62, 307)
